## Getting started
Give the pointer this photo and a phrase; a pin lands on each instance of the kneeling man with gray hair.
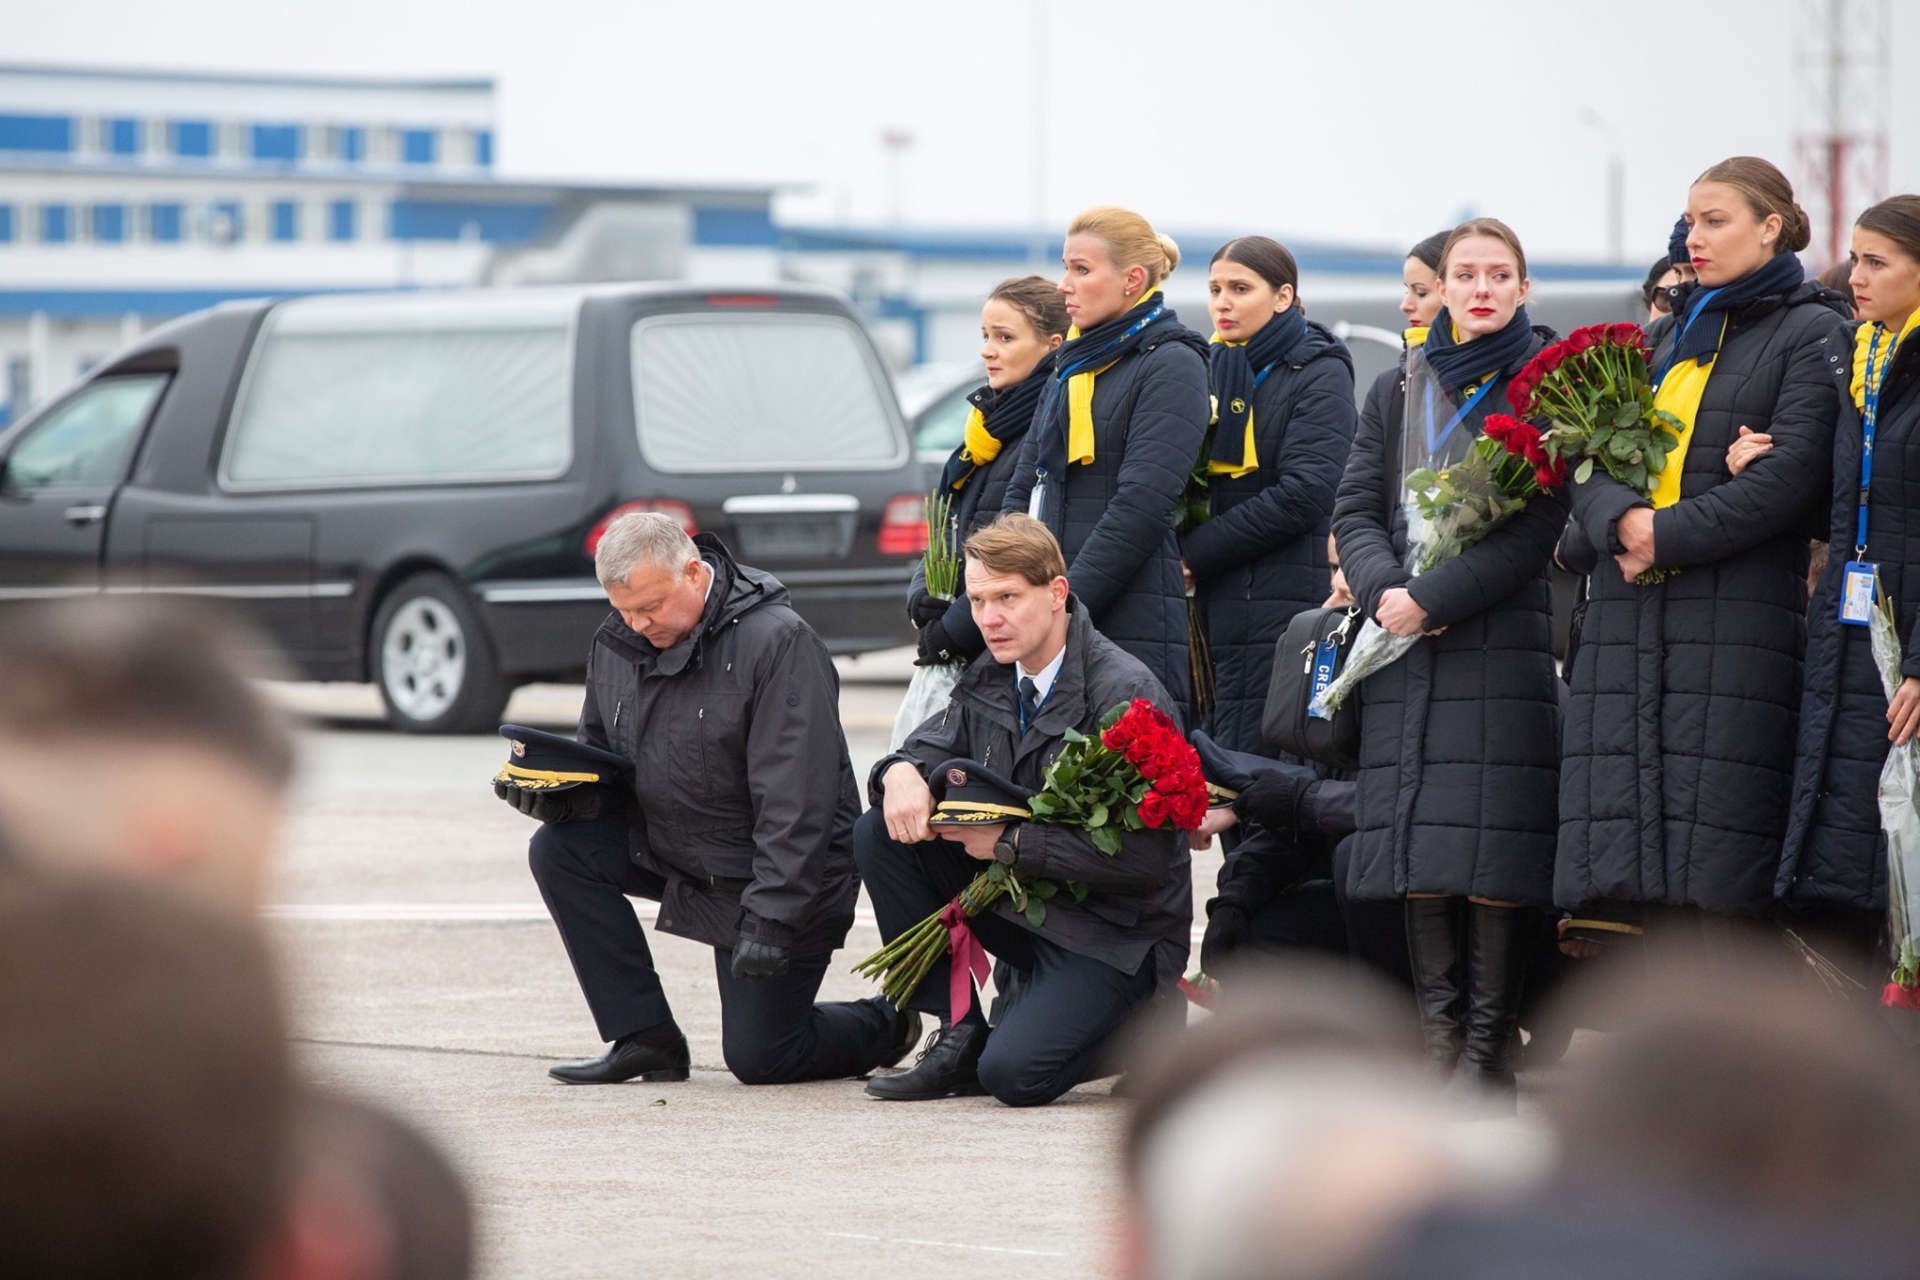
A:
(737, 818)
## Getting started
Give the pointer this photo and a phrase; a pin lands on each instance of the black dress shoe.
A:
(655, 1055)
(905, 1040)
(947, 1068)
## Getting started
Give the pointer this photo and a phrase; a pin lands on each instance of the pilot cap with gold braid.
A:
(970, 795)
(542, 761)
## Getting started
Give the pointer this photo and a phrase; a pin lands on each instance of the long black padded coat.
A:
(1459, 739)
(1834, 852)
(1150, 413)
(976, 504)
(1261, 557)
(1678, 758)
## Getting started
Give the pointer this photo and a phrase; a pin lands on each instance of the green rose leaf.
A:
(1583, 472)
(1044, 889)
(1106, 840)
(1035, 912)
(1078, 890)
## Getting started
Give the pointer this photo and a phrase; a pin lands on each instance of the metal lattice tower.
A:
(1844, 64)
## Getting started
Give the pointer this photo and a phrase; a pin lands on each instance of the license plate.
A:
(816, 537)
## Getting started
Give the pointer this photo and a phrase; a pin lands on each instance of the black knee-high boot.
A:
(1499, 946)
(1436, 950)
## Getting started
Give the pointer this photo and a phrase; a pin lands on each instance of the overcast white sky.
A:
(1375, 120)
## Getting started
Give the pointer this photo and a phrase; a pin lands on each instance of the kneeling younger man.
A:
(1090, 964)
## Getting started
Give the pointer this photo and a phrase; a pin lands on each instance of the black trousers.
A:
(1055, 1032)
(771, 1031)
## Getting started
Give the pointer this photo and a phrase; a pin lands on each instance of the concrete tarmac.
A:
(424, 973)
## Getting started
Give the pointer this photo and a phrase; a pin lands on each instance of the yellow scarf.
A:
(1248, 462)
(980, 447)
(1080, 397)
(1863, 344)
(1679, 394)
(1417, 335)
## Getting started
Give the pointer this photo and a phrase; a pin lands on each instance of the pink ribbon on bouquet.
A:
(968, 960)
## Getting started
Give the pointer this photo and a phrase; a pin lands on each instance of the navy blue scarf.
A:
(1006, 412)
(1237, 371)
(1697, 328)
(1459, 365)
(1145, 325)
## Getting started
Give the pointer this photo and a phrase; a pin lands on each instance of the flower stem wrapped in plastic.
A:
(1459, 485)
(1900, 820)
(931, 687)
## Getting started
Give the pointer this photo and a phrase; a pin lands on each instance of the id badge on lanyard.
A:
(1860, 577)
(1326, 665)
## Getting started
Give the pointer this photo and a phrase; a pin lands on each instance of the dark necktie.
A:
(1029, 701)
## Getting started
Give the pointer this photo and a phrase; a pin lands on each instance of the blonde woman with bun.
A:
(1678, 757)
(1115, 437)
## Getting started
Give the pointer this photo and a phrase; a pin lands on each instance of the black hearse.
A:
(407, 488)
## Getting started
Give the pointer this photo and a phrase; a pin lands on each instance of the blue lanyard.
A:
(1698, 309)
(1067, 371)
(1869, 415)
(1433, 444)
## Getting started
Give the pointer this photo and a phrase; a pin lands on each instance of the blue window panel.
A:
(416, 146)
(286, 220)
(720, 225)
(123, 137)
(230, 211)
(341, 220)
(164, 221)
(6, 224)
(109, 223)
(56, 223)
(279, 142)
(353, 144)
(36, 133)
(191, 137)
(483, 148)
(448, 220)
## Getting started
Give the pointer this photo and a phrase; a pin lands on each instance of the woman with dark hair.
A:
(1420, 273)
(1120, 422)
(1283, 392)
(1022, 324)
(1678, 758)
(1833, 869)
(1458, 739)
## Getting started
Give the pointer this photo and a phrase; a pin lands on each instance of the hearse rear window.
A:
(748, 392)
(341, 391)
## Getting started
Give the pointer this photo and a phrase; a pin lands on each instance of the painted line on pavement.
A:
(441, 912)
(944, 1244)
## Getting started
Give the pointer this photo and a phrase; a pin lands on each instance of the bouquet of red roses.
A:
(1596, 394)
(1448, 510)
(1140, 773)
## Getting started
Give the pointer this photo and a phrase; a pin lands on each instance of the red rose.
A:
(1153, 809)
(1194, 812)
(1550, 359)
(1895, 996)
(1626, 335)
(1580, 340)
(1138, 752)
(1551, 475)
(1520, 393)
(1169, 784)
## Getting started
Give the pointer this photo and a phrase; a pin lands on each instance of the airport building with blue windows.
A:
(131, 197)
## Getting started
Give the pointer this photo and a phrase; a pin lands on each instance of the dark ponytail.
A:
(1428, 251)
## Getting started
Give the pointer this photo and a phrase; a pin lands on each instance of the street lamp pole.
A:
(1616, 183)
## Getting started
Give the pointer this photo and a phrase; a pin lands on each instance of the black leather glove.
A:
(936, 647)
(575, 804)
(1228, 929)
(1274, 801)
(753, 958)
(924, 608)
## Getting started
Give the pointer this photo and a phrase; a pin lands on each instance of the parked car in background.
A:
(934, 398)
(407, 489)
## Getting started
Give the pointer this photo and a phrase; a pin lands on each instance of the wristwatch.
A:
(1007, 847)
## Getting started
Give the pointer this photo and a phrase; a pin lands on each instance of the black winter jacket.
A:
(1150, 414)
(1262, 555)
(1459, 739)
(744, 797)
(1834, 850)
(976, 504)
(1141, 902)
(1678, 759)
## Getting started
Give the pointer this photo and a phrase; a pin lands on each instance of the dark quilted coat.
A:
(1262, 556)
(1678, 757)
(976, 504)
(1834, 852)
(1459, 739)
(1150, 413)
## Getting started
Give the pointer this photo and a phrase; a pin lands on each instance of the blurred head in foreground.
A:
(144, 1084)
(1289, 1133)
(132, 738)
(372, 1198)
